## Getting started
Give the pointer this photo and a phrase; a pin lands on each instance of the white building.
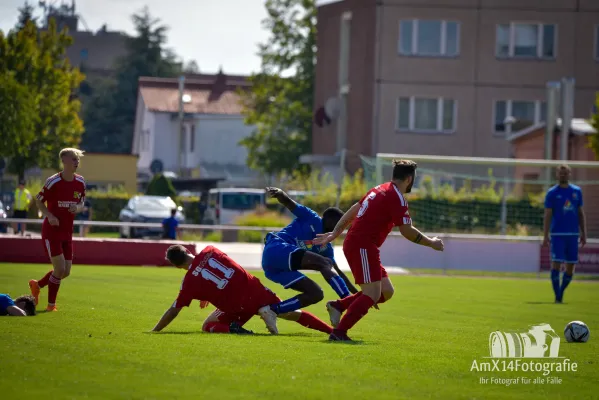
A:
(213, 127)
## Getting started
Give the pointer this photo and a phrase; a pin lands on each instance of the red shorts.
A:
(259, 300)
(56, 247)
(364, 262)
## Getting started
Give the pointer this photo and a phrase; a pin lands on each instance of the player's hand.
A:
(273, 191)
(583, 240)
(323, 238)
(53, 220)
(545, 241)
(204, 303)
(73, 208)
(437, 244)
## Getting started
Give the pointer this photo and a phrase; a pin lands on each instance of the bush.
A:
(259, 218)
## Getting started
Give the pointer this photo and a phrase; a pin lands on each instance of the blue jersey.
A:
(5, 302)
(303, 229)
(564, 202)
(170, 227)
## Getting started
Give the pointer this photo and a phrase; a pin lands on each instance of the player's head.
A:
(70, 158)
(330, 217)
(179, 256)
(563, 174)
(26, 303)
(22, 184)
(173, 212)
(404, 172)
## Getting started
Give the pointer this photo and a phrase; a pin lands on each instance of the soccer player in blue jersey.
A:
(290, 250)
(20, 307)
(564, 224)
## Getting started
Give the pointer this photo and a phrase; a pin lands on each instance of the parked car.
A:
(3, 216)
(148, 209)
(224, 205)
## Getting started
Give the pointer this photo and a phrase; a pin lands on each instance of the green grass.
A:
(498, 274)
(419, 345)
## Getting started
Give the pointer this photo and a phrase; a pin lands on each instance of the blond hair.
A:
(71, 151)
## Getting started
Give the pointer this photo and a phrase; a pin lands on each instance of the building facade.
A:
(439, 77)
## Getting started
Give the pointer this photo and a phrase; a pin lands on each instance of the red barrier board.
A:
(90, 251)
(588, 259)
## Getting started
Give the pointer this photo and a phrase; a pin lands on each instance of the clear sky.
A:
(213, 32)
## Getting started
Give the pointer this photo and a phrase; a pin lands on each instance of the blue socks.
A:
(566, 279)
(339, 286)
(555, 283)
(286, 306)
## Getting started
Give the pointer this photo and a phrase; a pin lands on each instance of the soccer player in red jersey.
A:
(213, 277)
(372, 219)
(59, 200)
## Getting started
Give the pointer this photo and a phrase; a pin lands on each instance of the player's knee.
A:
(206, 326)
(388, 293)
(316, 295)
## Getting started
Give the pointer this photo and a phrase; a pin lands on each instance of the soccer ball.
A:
(577, 331)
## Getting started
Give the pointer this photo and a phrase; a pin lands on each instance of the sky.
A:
(215, 33)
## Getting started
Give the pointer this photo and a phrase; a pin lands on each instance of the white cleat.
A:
(334, 314)
(270, 319)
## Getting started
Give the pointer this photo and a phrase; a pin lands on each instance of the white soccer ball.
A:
(577, 331)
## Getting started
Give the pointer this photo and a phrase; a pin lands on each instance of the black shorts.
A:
(19, 214)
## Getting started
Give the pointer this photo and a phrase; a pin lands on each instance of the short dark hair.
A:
(173, 212)
(564, 166)
(29, 303)
(330, 217)
(177, 254)
(402, 169)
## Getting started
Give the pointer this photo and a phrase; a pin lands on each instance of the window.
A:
(518, 40)
(192, 138)
(429, 38)
(426, 114)
(524, 112)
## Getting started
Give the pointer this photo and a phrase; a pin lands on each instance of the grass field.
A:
(419, 345)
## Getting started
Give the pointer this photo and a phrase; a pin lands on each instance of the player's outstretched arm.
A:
(282, 197)
(15, 311)
(343, 223)
(350, 285)
(414, 235)
(582, 221)
(166, 319)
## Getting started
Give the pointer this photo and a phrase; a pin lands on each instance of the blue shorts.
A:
(276, 261)
(564, 249)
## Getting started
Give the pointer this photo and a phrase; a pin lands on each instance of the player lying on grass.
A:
(564, 223)
(213, 277)
(20, 307)
(290, 250)
(371, 220)
(62, 196)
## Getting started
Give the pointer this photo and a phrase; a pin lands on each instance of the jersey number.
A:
(210, 276)
(364, 205)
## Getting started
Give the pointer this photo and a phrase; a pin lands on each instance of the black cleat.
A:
(339, 336)
(239, 330)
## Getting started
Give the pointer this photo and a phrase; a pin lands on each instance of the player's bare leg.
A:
(566, 279)
(218, 322)
(316, 262)
(556, 266)
(52, 279)
(307, 319)
(371, 294)
(387, 290)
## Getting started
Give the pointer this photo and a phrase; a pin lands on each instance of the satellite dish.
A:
(156, 167)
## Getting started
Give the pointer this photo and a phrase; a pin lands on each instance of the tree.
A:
(110, 115)
(160, 185)
(44, 116)
(594, 139)
(281, 99)
(191, 67)
(26, 15)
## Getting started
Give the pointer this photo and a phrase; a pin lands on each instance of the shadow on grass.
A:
(542, 302)
(259, 334)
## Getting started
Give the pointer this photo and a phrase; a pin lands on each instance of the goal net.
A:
(485, 195)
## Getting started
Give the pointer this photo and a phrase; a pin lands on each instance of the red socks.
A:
(311, 321)
(53, 286)
(215, 327)
(381, 299)
(44, 281)
(343, 304)
(355, 312)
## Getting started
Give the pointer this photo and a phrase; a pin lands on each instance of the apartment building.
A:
(439, 77)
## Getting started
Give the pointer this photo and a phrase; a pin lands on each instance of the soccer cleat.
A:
(51, 308)
(270, 319)
(35, 290)
(334, 314)
(339, 336)
(236, 328)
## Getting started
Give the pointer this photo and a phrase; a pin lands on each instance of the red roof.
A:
(209, 94)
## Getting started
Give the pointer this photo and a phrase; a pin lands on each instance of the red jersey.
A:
(59, 195)
(213, 276)
(381, 209)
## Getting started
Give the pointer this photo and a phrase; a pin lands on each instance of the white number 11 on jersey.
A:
(210, 276)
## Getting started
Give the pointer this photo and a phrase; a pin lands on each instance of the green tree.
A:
(26, 15)
(160, 185)
(280, 102)
(594, 139)
(110, 115)
(42, 82)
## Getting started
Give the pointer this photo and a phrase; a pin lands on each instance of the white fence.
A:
(462, 251)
